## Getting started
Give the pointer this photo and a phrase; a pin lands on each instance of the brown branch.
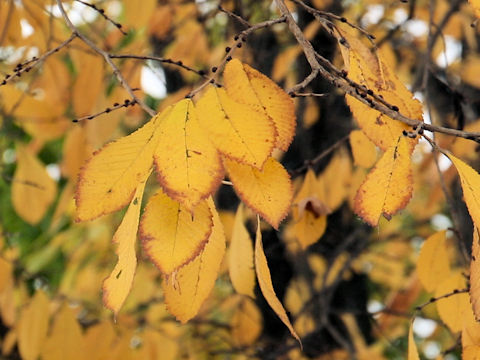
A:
(444, 296)
(107, 110)
(235, 16)
(102, 12)
(107, 58)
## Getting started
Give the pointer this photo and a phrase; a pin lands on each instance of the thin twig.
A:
(102, 12)
(107, 58)
(444, 296)
(235, 16)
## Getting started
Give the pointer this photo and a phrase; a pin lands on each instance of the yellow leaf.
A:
(476, 7)
(88, 84)
(99, 339)
(475, 274)
(309, 213)
(137, 14)
(238, 131)
(240, 260)
(268, 192)
(187, 290)
(66, 339)
(466, 148)
(171, 235)
(363, 150)
(75, 151)
(369, 69)
(453, 309)
(117, 286)
(33, 190)
(389, 185)
(33, 326)
(248, 86)
(187, 164)
(108, 180)
(470, 180)
(246, 322)
(412, 347)
(265, 282)
(157, 345)
(433, 264)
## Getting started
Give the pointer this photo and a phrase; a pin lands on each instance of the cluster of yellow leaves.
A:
(191, 146)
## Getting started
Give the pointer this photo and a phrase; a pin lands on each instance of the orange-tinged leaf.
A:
(108, 180)
(75, 151)
(117, 286)
(309, 212)
(187, 164)
(265, 282)
(33, 190)
(238, 131)
(433, 264)
(267, 191)
(412, 347)
(137, 14)
(363, 150)
(453, 309)
(66, 339)
(99, 339)
(248, 86)
(476, 7)
(240, 260)
(32, 326)
(246, 322)
(470, 180)
(389, 185)
(171, 235)
(369, 69)
(187, 290)
(475, 274)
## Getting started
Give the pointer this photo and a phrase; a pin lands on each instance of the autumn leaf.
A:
(453, 309)
(309, 212)
(117, 286)
(476, 7)
(433, 264)
(267, 191)
(369, 69)
(475, 274)
(389, 185)
(246, 322)
(248, 86)
(33, 326)
(108, 180)
(240, 260)
(33, 190)
(188, 165)
(412, 347)
(171, 235)
(238, 131)
(186, 291)
(470, 180)
(265, 282)
(65, 340)
(363, 150)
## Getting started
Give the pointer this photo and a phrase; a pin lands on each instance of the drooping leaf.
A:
(171, 235)
(453, 309)
(363, 150)
(265, 282)
(248, 86)
(187, 290)
(267, 191)
(33, 326)
(187, 164)
(237, 130)
(309, 212)
(246, 322)
(117, 286)
(66, 339)
(33, 190)
(433, 264)
(389, 185)
(108, 180)
(470, 180)
(412, 347)
(475, 274)
(240, 260)
(370, 69)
